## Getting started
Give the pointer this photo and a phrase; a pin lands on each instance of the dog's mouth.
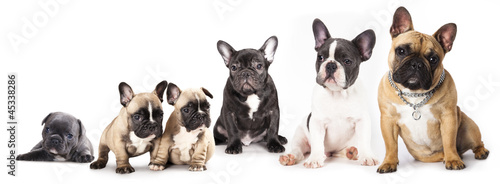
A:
(199, 128)
(412, 80)
(53, 151)
(147, 136)
(55, 146)
(149, 130)
(246, 87)
(331, 82)
(197, 121)
(330, 79)
(152, 136)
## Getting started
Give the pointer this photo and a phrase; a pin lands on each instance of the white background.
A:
(79, 52)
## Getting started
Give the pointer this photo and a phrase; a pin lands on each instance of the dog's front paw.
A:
(314, 162)
(84, 158)
(275, 147)
(197, 167)
(455, 165)
(387, 168)
(156, 167)
(288, 159)
(21, 157)
(368, 160)
(125, 169)
(234, 148)
(351, 153)
(99, 164)
(282, 140)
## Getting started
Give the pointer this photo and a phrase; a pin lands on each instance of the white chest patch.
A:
(253, 102)
(417, 128)
(184, 141)
(139, 143)
(246, 139)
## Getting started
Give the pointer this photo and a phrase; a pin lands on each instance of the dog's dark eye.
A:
(47, 130)
(400, 51)
(137, 117)
(320, 57)
(185, 110)
(259, 66)
(70, 136)
(158, 115)
(233, 68)
(347, 61)
(433, 59)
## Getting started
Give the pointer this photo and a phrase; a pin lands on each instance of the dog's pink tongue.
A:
(152, 136)
(53, 150)
(412, 80)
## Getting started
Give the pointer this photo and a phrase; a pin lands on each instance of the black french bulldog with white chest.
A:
(250, 111)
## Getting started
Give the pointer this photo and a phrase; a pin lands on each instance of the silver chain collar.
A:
(416, 113)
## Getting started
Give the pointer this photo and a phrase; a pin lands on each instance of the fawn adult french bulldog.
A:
(135, 131)
(250, 111)
(186, 139)
(418, 100)
(339, 123)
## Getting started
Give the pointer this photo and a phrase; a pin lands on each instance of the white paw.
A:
(368, 160)
(315, 162)
(155, 167)
(288, 159)
(195, 167)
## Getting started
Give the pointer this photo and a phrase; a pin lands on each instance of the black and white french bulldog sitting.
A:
(250, 111)
(64, 139)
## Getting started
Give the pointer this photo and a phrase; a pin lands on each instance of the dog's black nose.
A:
(55, 141)
(245, 74)
(201, 116)
(416, 64)
(151, 127)
(331, 67)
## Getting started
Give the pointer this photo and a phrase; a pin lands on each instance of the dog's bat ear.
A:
(269, 48)
(126, 93)
(173, 93)
(207, 92)
(401, 22)
(160, 89)
(226, 51)
(46, 118)
(321, 33)
(446, 36)
(365, 43)
(82, 128)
